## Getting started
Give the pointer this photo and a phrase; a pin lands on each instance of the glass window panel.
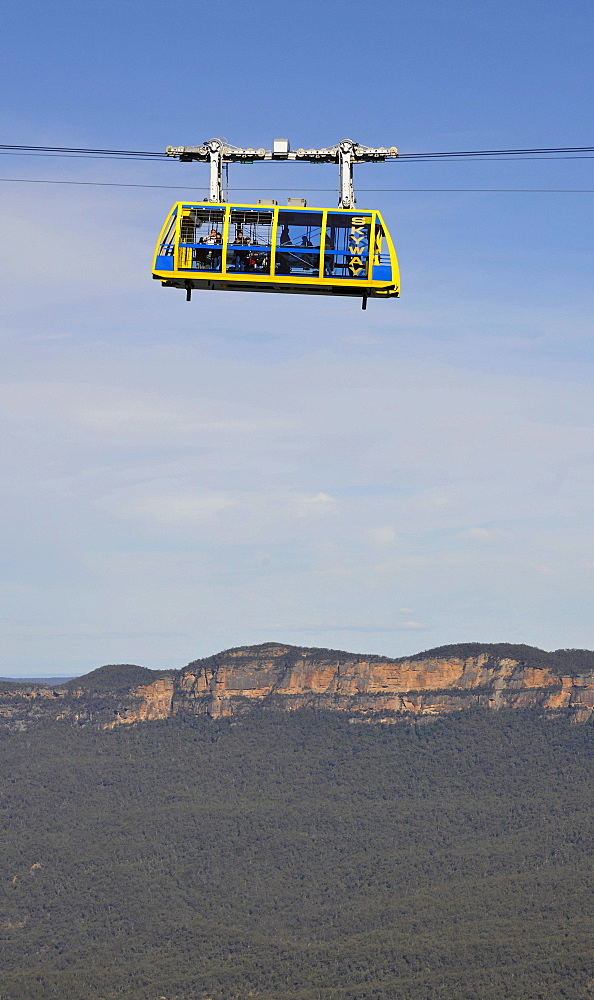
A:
(298, 243)
(346, 246)
(201, 238)
(382, 266)
(380, 244)
(167, 243)
(249, 243)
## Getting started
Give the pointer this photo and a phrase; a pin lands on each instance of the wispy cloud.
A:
(384, 535)
(481, 534)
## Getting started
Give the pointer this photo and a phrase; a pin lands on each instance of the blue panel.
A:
(347, 246)
(382, 272)
(164, 263)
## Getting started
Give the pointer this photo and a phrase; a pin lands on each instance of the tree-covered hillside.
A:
(116, 677)
(561, 661)
(299, 857)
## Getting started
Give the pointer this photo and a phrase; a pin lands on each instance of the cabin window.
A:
(201, 238)
(382, 265)
(167, 243)
(249, 242)
(298, 243)
(346, 245)
(380, 244)
(165, 259)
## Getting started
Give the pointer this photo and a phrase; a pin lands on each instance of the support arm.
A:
(346, 192)
(346, 154)
(215, 149)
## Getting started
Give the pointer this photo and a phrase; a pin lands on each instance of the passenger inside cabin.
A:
(240, 257)
(213, 258)
(261, 261)
(329, 261)
(283, 260)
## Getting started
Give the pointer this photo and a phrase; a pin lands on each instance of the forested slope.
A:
(299, 856)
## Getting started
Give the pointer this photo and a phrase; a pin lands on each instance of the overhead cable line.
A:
(570, 152)
(185, 187)
(407, 158)
(78, 156)
(497, 152)
(72, 149)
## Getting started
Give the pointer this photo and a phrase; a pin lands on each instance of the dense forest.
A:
(299, 856)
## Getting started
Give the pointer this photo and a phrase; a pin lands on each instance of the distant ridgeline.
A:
(282, 677)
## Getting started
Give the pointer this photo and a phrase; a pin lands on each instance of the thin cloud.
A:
(480, 534)
(385, 535)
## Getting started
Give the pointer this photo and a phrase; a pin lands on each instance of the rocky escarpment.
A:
(105, 697)
(441, 680)
(283, 677)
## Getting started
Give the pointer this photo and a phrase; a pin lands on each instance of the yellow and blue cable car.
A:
(271, 248)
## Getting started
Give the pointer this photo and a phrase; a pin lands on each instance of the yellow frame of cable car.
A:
(323, 284)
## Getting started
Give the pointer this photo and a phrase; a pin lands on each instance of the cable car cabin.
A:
(260, 248)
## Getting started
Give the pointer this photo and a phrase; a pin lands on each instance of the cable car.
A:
(267, 248)
(272, 248)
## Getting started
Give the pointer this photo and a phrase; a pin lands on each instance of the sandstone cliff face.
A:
(23, 706)
(152, 701)
(286, 677)
(278, 676)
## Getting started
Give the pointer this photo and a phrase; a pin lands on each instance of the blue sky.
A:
(179, 478)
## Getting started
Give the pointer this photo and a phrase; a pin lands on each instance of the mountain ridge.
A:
(276, 675)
